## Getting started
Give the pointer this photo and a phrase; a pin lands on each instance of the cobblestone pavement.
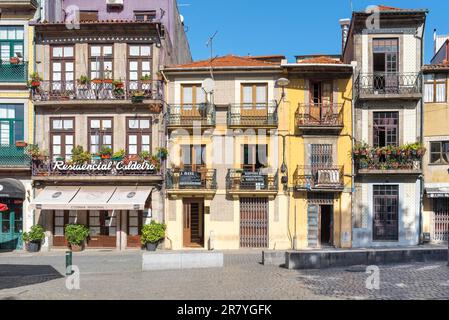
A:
(112, 275)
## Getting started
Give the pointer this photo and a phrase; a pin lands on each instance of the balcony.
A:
(319, 117)
(12, 157)
(191, 181)
(191, 116)
(382, 166)
(244, 116)
(388, 86)
(13, 73)
(95, 92)
(128, 168)
(240, 181)
(319, 178)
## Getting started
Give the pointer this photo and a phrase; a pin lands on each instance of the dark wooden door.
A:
(102, 226)
(254, 223)
(386, 213)
(135, 224)
(193, 223)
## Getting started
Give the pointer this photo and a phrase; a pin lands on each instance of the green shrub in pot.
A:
(76, 235)
(152, 234)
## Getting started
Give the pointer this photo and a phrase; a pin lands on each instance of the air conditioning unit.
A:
(114, 3)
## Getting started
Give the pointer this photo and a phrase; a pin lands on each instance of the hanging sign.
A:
(105, 166)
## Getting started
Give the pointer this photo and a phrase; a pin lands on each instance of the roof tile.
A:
(226, 61)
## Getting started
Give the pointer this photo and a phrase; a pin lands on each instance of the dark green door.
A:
(11, 228)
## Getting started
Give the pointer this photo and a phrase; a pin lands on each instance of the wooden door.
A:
(61, 218)
(321, 95)
(135, 224)
(102, 227)
(254, 223)
(193, 223)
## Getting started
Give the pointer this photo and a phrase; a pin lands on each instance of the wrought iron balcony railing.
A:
(392, 83)
(126, 166)
(246, 180)
(14, 157)
(319, 177)
(98, 90)
(319, 115)
(191, 179)
(203, 115)
(11, 72)
(263, 115)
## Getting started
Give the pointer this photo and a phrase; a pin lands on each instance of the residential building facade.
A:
(223, 189)
(387, 124)
(16, 119)
(436, 141)
(99, 118)
(316, 122)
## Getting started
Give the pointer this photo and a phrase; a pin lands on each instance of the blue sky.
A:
(288, 27)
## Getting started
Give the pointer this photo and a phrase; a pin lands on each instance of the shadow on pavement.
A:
(14, 276)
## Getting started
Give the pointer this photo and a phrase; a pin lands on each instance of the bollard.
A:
(68, 263)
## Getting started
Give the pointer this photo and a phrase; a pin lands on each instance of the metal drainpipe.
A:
(353, 193)
(421, 197)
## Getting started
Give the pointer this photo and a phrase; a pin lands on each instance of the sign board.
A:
(105, 166)
(254, 178)
(190, 179)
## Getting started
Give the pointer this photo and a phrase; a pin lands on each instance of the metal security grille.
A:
(385, 224)
(254, 223)
(440, 231)
(321, 155)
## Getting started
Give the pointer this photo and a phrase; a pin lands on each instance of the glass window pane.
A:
(95, 124)
(247, 94)
(56, 150)
(133, 66)
(68, 124)
(145, 139)
(133, 124)
(107, 139)
(69, 67)
(146, 66)
(132, 139)
(19, 33)
(187, 95)
(69, 139)
(95, 51)
(57, 52)
(145, 51)
(134, 50)
(144, 124)
(132, 149)
(261, 94)
(57, 124)
(68, 51)
(107, 50)
(56, 139)
(107, 124)
(94, 139)
(57, 67)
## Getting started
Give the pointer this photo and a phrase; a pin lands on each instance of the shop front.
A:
(114, 215)
(12, 196)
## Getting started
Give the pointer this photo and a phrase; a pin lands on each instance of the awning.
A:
(437, 193)
(12, 188)
(54, 198)
(129, 198)
(92, 198)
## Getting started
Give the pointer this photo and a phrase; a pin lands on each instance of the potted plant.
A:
(83, 80)
(34, 238)
(97, 81)
(79, 156)
(14, 60)
(119, 155)
(35, 153)
(76, 235)
(162, 153)
(21, 144)
(155, 161)
(118, 88)
(146, 78)
(35, 81)
(138, 96)
(145, 156)
(152, 234)
(105, 152)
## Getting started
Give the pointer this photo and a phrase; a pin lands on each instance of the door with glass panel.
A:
(62, 138)
(386, 65)
(102, 229)
(139, 68)
(63, 71)
(193, 157)
(12, 45)
(135, 224)
(61, 218)
(320, 107)
(101, 64)
(138, 133)
(100, 134)
(254, 103)
(193, 99)
(11, 225)
(11, 131)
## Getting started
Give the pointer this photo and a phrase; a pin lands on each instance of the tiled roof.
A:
(388, 8)
(226, 61)
(320, 60)
(47, 23)
(436, 67)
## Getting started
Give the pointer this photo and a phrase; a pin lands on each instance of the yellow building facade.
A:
(317, 126)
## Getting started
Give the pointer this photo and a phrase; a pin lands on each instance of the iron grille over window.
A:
(386, 213)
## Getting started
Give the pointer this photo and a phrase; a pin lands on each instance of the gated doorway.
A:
(440, 223)
(193, 223)
(254, 223)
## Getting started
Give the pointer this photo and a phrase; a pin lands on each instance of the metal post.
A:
(68, 263)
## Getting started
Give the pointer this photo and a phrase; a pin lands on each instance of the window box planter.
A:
(108, 81)
(97, 81)
(21, 144)
(14, 61)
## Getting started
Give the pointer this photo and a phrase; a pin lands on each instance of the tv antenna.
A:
(210, 43)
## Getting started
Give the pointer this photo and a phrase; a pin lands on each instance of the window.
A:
(192, 95)
(193, 157)
(139, 65)
(386, 128)
(100, 134)
(321, 155)
(254, 96)
(88, 15)
(101, 62)
(135, 223)
(11, 42)
(385, 55)
(435, 89)
(62, 137)
(61, 219)
(321, 92)
(11, 124)
(144, 15)
(439, 152)
(138, 133)
(62, 67)
(386, 215)
(254, 156)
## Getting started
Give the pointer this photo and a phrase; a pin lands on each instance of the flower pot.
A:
(33, 246)
(108, 81)
(105, 157)
(21, 144)
(97, 81)
(77, 247)
(14, 61)
(137, 99)
(151, 246)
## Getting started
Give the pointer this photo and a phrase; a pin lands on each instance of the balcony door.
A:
(321, 95)
(192, 97)
(386, 65)
(255, 157)
(254, 99)
(63, 69)
(193, 157)
(11, 45)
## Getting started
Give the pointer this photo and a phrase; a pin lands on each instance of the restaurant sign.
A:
(105, 166)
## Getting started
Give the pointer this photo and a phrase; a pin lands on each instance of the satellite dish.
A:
(209, 85)
(181, 17)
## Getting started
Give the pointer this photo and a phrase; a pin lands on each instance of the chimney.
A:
(344, 23)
